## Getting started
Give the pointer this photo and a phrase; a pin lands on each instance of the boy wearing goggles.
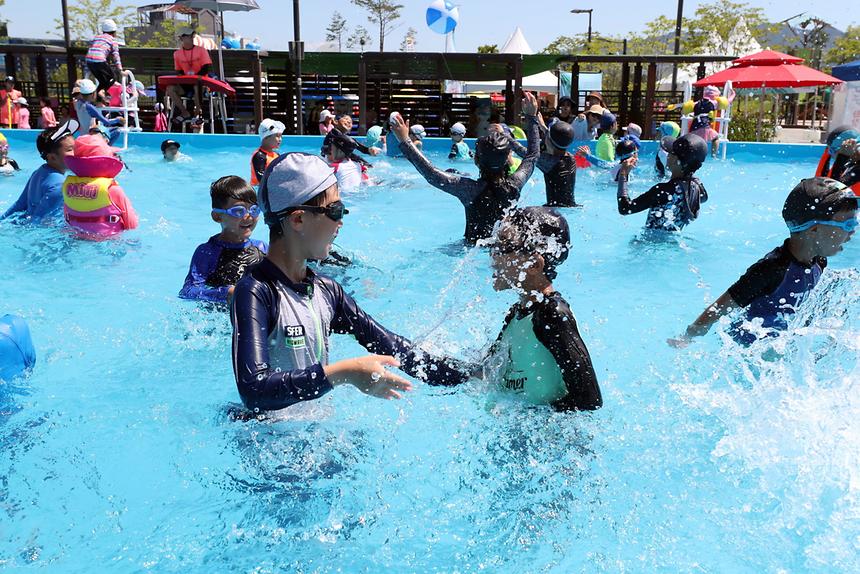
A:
(283, 313)
(218, 264)
(821, 215)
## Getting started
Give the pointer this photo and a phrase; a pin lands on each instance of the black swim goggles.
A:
(334, 211)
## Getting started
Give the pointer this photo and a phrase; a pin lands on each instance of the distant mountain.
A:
(785, 38)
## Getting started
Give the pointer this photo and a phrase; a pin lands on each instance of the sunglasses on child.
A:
(848, 225)
(334, 211)
(240, 211)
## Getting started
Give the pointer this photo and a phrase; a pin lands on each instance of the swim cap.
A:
(324, 115)
(666, 143)
(670, 129)
(633, 130)
(624, 149)
(374, 135)
(541, 230)
(691, 151)
(458, 129)
(835, 132)
(492, 150)
(270, 127)
(836, 143)
(817, 198)
(607, 119)
(108, 26)
(417, 130)
(291, 180)
(169, 143)
(87, 87)
(561, 134)
(392, 118)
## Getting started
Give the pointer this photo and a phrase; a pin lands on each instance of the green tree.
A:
(359, 38)
(488, 49)
(382, 13)
(164, 36)
(336, 29)
(85, 16)
(846, 48)
(409, 40)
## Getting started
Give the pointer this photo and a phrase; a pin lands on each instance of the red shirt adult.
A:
(190, 61)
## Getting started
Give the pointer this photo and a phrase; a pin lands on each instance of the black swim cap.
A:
(666, 143)
(541, 230)
(561, 134)
(169, 143)
(624, 149)
(836, 132)
(691, 151)
(492, 151)
(817, 198)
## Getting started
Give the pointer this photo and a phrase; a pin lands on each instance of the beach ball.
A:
(442, 16)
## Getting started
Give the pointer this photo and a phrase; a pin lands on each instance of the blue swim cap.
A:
(849, 134)
(373, 137)
(607, 119)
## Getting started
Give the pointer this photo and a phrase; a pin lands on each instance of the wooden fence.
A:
(369, 85)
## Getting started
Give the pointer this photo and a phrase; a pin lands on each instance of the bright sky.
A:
(481, 21)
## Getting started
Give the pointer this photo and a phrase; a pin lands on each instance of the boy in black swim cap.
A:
(556, 163)
(170, 150)
(283, 312)
(673, 204)
(484, 199)
(821, 215)
(541, 352)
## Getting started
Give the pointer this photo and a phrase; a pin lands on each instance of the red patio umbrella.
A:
(769, 69)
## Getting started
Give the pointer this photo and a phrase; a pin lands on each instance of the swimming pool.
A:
(119, 455)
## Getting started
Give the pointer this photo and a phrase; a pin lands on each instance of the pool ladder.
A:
(129, 108)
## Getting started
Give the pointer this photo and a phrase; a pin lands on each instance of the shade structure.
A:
(849, 72)
(769, 69)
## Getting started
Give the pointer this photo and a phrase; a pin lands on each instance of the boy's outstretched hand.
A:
(369, 375)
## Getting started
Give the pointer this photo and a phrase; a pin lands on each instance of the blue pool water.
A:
(118, 455)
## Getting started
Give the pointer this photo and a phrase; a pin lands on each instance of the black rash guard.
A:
(281, 331)
(672, 204)
(540, 353)
(485, 201)
(559, 175)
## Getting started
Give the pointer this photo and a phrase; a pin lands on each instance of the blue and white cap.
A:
(291, 180)
(458, 129)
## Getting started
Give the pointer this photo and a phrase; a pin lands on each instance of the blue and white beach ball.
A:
(442, 16)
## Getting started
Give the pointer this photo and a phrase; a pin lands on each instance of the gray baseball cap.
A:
(291, 180)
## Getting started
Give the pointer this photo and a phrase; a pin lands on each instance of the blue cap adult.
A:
(691, 151)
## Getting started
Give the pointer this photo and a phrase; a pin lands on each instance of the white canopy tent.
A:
(517, 44)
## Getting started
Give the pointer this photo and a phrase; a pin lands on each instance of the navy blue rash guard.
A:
(671, 205)
(280, 338)
(772, 288)
(218, 265)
